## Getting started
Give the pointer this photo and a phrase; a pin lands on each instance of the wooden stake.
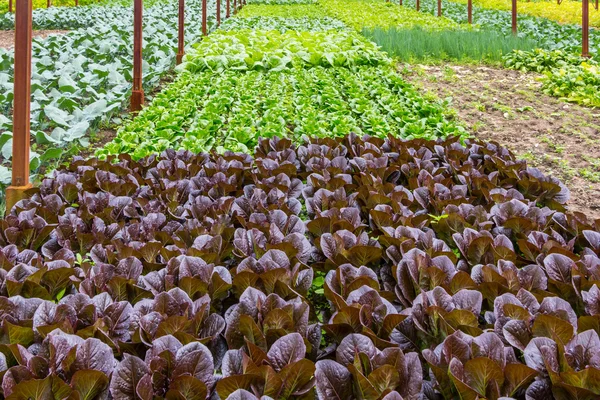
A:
(218, 12)
(137, 93)
(439, 8)
(22, 104)
(418, 5)
(10, 6)
(234, 7)
(585, 28)
(181, 42)
(227, 12)
(204, 31)
(514, 17)
(470, 11)
(48, 3)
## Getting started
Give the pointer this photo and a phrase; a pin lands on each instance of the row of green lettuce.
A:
(82, 79)
(304, 77)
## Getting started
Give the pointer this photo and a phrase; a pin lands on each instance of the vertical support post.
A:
(137, 93)
(234, 7)
(227, 15)
(439, 8)
(418, 5)
(470, 11)
(585, 28)
(181, 26)
(48, 3)
(76, 3)
(10, 6)
(400, 2)
(514, 17)
(22, 104)
(204, 31)
(218, 13)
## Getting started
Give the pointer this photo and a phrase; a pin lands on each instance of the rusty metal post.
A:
(181, 40)
(22, 104)
(514, 17)
(439, 8)
(137, 93)
(585, 28)
(218, 12)
(227, 12)
(470, 11)
(418, 5)
(204, 31)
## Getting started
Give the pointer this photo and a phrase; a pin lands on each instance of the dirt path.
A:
(7, 38)
(559, 138)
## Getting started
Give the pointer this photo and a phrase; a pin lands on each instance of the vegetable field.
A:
(306, 207)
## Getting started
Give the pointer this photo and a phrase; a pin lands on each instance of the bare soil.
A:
(7, 38)
(561, 139)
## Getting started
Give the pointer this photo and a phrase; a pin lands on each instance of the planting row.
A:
(231, 110)
(83, 78)
(357, 268)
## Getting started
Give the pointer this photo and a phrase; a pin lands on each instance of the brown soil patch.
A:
(7, 38)
(561, 139)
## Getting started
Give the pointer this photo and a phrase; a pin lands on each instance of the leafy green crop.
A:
(281, 24)
(273, 50)
(285, 10)
(566, 75)
(575, 83)
(231, 110)
(540, 60)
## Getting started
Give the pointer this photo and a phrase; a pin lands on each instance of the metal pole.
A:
(227, 12)
(204, 32)
(585, 28)
(181, 42)
(137, 93)
(470, 11)
(514, 17)
(418, 5)
(218, 12)
(22, 103)
(439, 8)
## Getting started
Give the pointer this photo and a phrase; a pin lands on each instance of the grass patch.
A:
(418, 44)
